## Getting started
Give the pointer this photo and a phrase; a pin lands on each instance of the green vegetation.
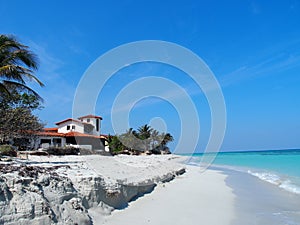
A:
(7, 150)
(17, 65)
(63, 151)
(18, 124)
(145, 139)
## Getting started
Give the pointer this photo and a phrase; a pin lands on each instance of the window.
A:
(68, 127)
(45, 141)
(97, 124)
(88, 120)
(57, 142)
(73, 127)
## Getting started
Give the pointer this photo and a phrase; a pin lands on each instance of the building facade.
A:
(84, 132)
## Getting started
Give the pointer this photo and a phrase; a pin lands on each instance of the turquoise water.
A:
(279, 167)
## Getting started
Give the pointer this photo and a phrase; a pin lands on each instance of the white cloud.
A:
(278, 59)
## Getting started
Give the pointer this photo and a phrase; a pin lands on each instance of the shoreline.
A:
(260, 202)
(148, 190)
(234, 196)
(193, 198)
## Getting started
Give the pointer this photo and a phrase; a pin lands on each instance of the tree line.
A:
(144, 139)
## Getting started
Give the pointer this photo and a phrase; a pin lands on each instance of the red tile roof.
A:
(90, 116)
(66, 120)
(50, 134)
(50, 129)
(53, 131)
(70, 134)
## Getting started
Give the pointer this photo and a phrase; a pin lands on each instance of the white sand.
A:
(193, 198)
(123, 168)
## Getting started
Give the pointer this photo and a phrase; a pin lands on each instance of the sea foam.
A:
(280, 181)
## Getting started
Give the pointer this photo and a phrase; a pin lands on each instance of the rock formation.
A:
(62, 194)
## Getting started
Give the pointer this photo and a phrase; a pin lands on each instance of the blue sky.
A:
(252, 47)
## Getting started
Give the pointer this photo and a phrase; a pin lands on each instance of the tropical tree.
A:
(144, 133)
(115, 145)
(18, 124)
(166, 138)
(17, 65)
(144, 139)
(14, 99)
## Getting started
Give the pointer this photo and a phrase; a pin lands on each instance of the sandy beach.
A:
(193, 198)
(107, 190)
(152, 190)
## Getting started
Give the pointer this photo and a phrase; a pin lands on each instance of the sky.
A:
(252, 48)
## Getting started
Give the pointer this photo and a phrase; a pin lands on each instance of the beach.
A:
(156, 189)
(78, 189)
(193, 198)
(97, 189)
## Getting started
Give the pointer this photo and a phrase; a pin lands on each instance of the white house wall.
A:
(62, 128)
(93, 122)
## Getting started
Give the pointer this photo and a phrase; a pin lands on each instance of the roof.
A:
(66, 120)
(70, 134)
(103, 136)
(90, 116)
(50, 129)
(50, 134)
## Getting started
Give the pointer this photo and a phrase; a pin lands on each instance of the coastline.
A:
(193, 198)
(149, 189)
(216, 196)
(260, 202)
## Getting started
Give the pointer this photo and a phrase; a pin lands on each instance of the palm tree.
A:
(17, 65)
(166, 139)
(144, 133)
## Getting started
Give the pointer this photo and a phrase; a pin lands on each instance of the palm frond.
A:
(12, 85)
(17, 63)
(13, 72)
(3, 89)
(26, 57)
(9, 42)
(18, 73)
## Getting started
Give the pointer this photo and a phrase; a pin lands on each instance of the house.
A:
(83, 132)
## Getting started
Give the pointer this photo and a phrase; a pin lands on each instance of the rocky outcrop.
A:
(115, 195)
(64, 194)
(37, 195)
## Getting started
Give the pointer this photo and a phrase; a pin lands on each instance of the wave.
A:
(287, 182)
(280, 181)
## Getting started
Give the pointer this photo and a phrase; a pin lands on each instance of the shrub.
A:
(63, 151)
(7, 150)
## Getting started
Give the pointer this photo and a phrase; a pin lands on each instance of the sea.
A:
(266, 183)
